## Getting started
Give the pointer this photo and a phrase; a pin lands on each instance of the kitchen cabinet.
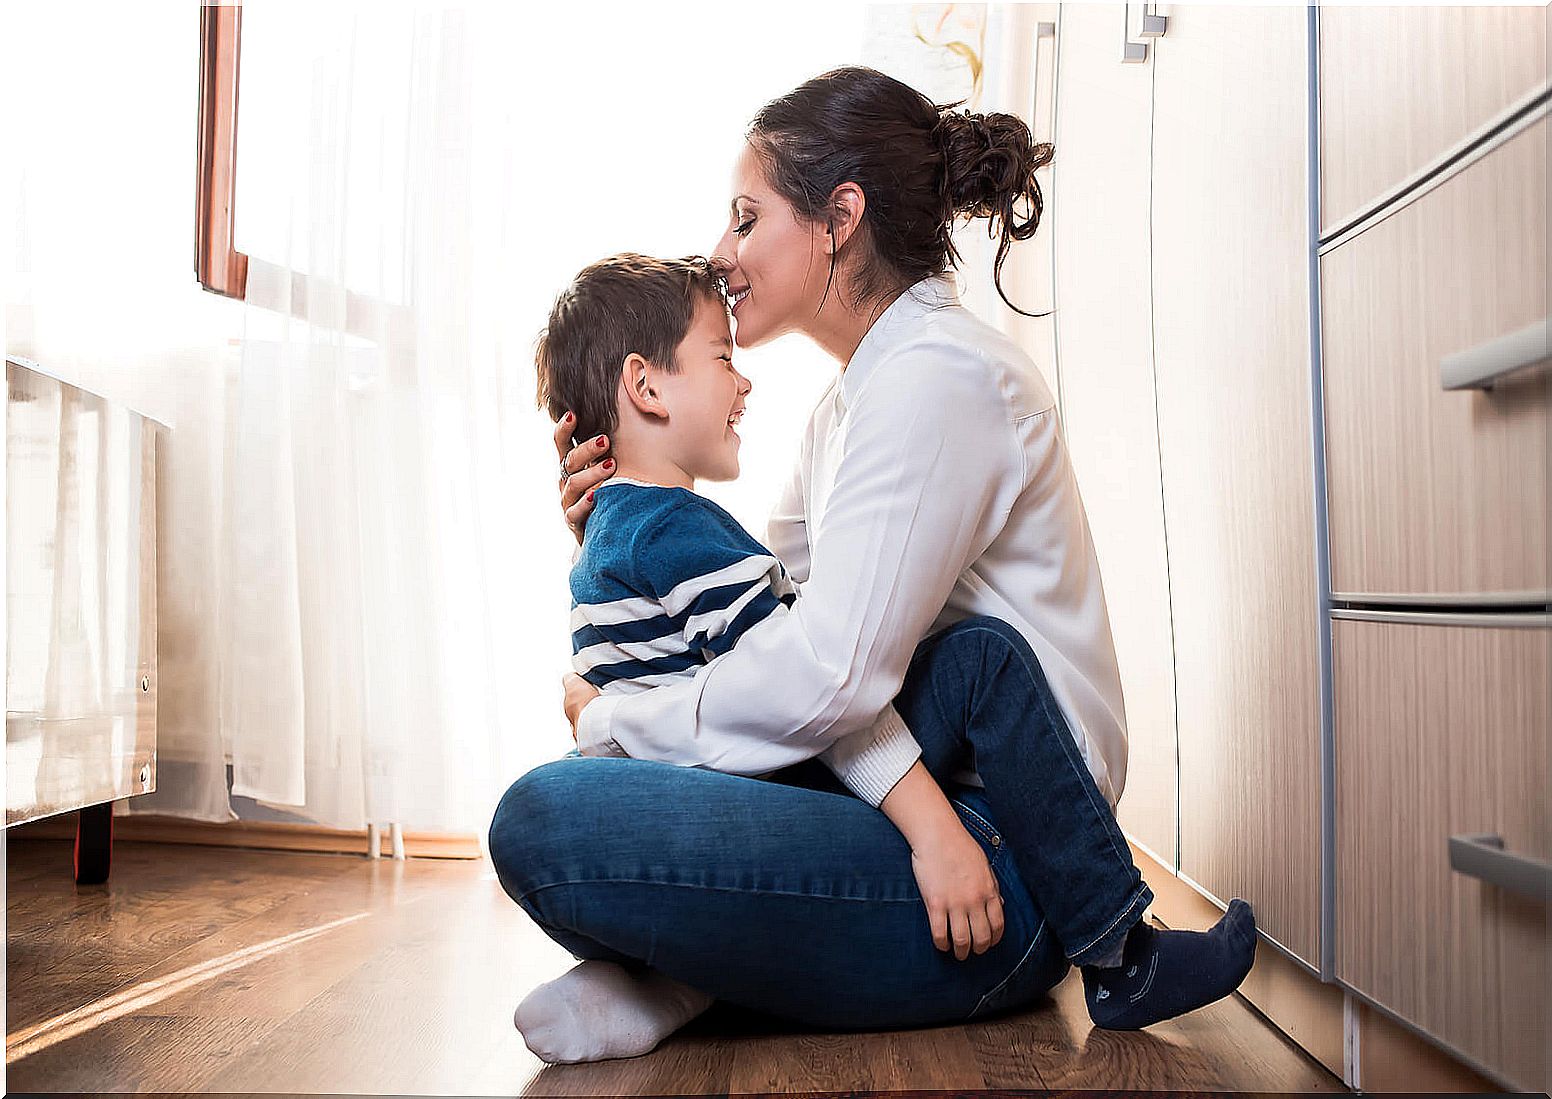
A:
(1279, 236)
(1438, 520)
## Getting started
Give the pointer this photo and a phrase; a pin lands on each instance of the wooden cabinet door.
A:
(1438, 495)
(1232, 352)
(1099, 211)
(1442, 730)
(1400, 86)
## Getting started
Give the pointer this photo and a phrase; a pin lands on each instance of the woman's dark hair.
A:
(920, 166)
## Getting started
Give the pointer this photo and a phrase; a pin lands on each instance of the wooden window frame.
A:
(220, 268)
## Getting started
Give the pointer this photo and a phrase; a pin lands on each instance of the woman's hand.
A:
(964, 905)
(579, 692)
(581, 473)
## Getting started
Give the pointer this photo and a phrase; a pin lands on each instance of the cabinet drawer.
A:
(1434, 492)
(1442, 730)
(1399, 86)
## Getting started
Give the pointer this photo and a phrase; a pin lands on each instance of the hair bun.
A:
(989, 164)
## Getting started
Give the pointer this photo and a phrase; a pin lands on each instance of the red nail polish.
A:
(601, 441)
(569, 417)
(608, 463)
(590, 497)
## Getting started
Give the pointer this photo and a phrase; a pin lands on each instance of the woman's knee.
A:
(987, 630)
(985, 648)
(533, 824)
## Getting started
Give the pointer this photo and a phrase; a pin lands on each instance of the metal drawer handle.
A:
(1484, 857)
(1132, 53)
(1481, 366)
(1042, 32)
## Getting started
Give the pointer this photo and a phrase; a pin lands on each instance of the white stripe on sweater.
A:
(636, 608)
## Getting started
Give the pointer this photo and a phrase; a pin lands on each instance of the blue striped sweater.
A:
(666, 582)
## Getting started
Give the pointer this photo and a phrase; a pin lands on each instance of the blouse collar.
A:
(894, 326)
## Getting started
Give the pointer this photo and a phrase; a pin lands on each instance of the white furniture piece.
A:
(81, 671)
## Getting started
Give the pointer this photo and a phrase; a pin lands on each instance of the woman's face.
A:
(776, 263)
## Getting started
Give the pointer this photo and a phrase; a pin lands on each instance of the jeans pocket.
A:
(1040, 968)
(980, 826)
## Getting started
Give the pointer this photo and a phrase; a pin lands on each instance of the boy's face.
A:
(705, 398)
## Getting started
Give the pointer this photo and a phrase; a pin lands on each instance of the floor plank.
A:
(218, 970)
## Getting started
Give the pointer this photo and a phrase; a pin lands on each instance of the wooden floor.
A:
(207, 969)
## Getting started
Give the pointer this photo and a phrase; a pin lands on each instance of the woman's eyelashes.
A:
(743, 227)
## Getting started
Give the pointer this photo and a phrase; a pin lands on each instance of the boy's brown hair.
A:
(622, 305)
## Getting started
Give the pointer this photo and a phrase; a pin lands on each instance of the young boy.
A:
(640, 350)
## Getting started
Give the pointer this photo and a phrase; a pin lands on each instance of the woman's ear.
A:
(847, 203)
(638, 382)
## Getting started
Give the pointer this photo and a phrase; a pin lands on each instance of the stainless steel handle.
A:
(1484, 857)
(1044, 31)
(1153, 26)
(1481, 366)
(1132, 53)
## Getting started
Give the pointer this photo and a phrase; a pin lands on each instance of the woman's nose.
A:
(748, 386)
(722, 255)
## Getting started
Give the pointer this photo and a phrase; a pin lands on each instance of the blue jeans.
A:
(791, 896)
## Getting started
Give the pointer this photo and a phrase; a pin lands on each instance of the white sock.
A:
(598, 1011)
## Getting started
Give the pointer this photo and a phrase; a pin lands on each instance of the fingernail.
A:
(608, 463)
(590, 497)
(569, 417)
(601, 441)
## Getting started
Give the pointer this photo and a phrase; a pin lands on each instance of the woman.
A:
(935, 527)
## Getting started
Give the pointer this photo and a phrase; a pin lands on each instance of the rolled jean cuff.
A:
(1116, 933)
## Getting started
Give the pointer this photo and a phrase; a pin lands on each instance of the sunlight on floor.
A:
(29, 1040)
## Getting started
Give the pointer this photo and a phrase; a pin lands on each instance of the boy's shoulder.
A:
(655, 536)
(640, 514)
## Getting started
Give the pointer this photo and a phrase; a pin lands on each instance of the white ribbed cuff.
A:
(870, 761)
(593, 725)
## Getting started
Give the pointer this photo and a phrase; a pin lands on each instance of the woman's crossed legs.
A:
(793, 901)
(801, 902)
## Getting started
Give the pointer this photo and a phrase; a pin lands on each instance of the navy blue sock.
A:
(1168, 973)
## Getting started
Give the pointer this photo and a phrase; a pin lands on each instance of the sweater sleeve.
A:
(930, 464)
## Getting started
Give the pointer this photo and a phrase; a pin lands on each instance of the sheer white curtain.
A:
(373, 596)
(415, 186)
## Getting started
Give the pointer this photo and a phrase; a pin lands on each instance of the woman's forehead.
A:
(749, 175)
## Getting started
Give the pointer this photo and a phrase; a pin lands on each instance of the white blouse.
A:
(933, 485)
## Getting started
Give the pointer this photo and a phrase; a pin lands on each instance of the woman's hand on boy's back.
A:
(583, 468)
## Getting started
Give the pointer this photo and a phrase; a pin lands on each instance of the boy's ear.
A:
(638, 378)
